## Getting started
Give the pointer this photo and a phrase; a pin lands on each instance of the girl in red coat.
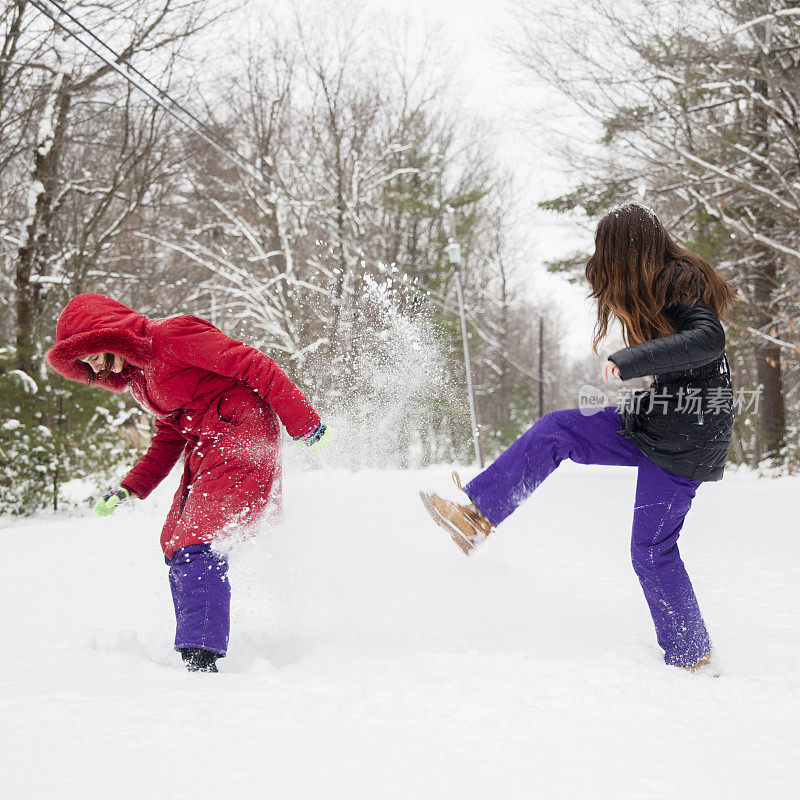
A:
(217, 402)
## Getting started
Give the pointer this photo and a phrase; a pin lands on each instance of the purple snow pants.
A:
(662, 501)
(202, 598)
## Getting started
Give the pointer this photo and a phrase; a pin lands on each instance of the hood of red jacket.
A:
(93, 323)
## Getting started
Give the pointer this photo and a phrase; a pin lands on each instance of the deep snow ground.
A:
(370, 659)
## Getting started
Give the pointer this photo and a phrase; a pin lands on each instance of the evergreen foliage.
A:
(53, 431)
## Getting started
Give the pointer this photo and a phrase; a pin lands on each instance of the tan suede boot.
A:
(465, 523)
(700, 665)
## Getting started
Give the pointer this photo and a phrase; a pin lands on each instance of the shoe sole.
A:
(461, 541)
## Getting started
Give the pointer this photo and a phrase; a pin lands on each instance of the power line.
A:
(222, 141)
(219, 143)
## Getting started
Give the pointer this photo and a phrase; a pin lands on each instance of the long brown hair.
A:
(637, 271)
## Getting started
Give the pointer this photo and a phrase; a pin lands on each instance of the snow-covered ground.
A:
(370, 659)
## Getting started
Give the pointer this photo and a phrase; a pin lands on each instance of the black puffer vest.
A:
(683, 422)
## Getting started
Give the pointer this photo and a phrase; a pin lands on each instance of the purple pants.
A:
(201, 594)
(662, 501)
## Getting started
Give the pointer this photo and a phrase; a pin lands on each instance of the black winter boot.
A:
(198, 660)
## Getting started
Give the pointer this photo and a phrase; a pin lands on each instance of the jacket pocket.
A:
(235, 410)
(631, 412)
(227, 411)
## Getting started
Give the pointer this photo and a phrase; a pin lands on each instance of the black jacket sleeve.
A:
(699, 340)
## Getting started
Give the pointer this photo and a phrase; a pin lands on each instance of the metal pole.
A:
(453, 252)
(541, 366)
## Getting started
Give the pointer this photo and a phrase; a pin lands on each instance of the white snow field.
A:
(370, 659)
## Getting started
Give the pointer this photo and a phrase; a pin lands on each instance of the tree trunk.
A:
(34, 250)
(768, 355)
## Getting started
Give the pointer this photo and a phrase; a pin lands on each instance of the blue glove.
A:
(316, 439)
(110, 500)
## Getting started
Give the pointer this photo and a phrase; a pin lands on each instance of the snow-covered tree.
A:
(697, 110)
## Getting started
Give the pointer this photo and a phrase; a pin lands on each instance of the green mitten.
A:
(316, 439)
(108, 502)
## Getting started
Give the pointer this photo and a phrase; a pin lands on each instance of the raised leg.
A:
(569, 434)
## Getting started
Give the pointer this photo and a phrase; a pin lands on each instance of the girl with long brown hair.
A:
(669, 302)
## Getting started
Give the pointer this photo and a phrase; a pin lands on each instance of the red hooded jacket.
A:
(214, 399)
